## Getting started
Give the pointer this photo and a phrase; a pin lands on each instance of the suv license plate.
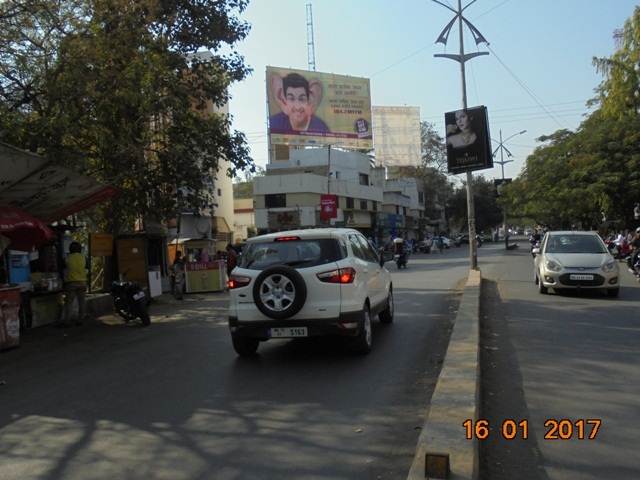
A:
(288, 332)
(574, 276)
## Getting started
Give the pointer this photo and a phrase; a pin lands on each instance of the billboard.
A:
(313, 108)
(328, 207)
(396, 136)
(468, 140)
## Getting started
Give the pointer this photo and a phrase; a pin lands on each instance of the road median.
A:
(455, 399)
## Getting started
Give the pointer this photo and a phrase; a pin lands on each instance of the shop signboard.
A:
(101, 244)
(328, 207)
(468, 140)
(313, 108)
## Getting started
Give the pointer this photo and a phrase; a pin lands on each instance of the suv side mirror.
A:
(535, 251)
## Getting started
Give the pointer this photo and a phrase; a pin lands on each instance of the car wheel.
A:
(386, 315)
(541, 288)
(613, 292)
(279, 292)
(363, 342)
(245, 346)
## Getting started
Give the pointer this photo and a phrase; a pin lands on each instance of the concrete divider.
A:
(456, 397)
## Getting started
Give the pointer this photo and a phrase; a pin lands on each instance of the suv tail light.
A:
(340, 275)
(237, 281)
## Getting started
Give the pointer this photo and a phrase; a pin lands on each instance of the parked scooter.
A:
(130, 301)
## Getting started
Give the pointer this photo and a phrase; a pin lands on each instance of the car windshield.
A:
(574, 244)
(294, 253)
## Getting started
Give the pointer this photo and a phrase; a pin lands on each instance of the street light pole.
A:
(502, 162)
(462, 58)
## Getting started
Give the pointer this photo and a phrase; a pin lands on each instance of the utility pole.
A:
(461, 58)
(502, 162)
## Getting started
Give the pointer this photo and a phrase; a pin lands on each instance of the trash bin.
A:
(9, 317)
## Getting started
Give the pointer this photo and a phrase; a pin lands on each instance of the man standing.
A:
(178, 275)
(75, 285)
(232, 259)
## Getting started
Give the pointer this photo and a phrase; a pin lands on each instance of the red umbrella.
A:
(24, 231)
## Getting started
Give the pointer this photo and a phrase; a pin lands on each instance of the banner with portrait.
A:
(313, 108)
(468, 140)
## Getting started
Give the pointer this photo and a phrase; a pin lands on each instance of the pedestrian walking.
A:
(75, 285)
(177, 270)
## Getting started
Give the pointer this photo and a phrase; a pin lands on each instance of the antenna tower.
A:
(311, 48)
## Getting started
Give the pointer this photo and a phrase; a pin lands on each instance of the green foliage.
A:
(125, 94)
(488, 213)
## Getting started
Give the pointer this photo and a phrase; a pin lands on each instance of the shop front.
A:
(204, 267)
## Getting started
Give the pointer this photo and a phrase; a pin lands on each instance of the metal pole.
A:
(504, 208)
(328, 168)
(473, 247)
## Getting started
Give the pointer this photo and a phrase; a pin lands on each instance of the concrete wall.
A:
(309, 183)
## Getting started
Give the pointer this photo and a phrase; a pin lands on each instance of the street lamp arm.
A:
(515, 135)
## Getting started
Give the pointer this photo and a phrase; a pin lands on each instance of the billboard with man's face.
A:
(313, 108)
(468, 140)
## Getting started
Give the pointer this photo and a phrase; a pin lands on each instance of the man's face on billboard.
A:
(298, 107)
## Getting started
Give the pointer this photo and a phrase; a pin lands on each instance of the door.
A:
(363, 269)
(378, 294)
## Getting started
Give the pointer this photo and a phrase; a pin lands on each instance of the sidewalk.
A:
(39, 344)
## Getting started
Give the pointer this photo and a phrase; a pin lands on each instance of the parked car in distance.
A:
(302, 283)
(575, 260)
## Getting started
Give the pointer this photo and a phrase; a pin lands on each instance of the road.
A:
(569, 356)
(109, 401)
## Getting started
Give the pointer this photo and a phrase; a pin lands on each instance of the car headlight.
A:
(553, 266)
(609, 266)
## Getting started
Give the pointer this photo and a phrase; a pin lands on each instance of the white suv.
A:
(304, 283)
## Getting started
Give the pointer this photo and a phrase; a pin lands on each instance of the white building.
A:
(288, 196)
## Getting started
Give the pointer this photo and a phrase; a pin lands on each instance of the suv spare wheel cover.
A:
(279, 292)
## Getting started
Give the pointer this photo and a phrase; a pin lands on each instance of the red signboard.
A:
(328, 207)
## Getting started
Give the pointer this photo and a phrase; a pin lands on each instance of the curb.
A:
(456, 397)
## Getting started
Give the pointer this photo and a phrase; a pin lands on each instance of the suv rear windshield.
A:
(294, 253)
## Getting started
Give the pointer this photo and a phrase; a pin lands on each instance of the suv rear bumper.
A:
(343, 326)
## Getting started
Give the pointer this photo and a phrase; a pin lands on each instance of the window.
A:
(275, 200)
(369, 253)
(364, 179)
(375, 206)
(363, 205)
(349, 202)
(421, 197)
(397, 210)
(357, 247)
(298, 253)
(337, 175)
(404, 211)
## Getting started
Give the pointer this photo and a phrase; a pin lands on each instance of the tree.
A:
(487, 211)
(619, 93)
(128, 96)
(433, 148)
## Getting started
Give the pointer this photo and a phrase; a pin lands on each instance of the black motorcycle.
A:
(130, 301)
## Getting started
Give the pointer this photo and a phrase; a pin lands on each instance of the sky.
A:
(537, 77)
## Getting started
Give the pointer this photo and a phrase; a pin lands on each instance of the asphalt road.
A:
(109, 401)
(558, 356)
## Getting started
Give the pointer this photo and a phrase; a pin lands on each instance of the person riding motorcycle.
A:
(400, 251)
(634, 258)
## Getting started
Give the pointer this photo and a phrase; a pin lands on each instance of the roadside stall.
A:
(33, 193)
(204, 272)
(21, 234)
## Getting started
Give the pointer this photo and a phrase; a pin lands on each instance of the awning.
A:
(49, 192)
(24, 231)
